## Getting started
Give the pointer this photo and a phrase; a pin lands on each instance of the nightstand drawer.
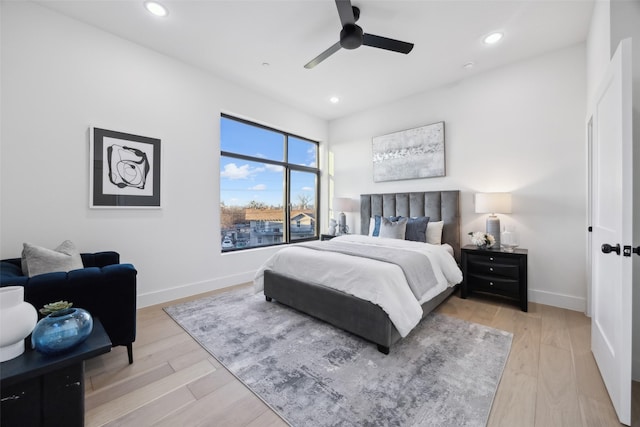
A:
(494, 284)
(493, 259)
(510, 269)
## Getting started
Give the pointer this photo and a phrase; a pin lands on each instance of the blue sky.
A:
(242, 181)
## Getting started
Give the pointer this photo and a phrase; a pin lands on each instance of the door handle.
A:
(636, 250)
(607, 248)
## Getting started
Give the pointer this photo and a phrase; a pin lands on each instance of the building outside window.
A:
(269, 186)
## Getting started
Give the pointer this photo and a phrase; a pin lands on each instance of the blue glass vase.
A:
(62, 330)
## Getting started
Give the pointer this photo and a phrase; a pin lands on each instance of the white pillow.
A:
(393, 229)
(38, 260)
(434, 232)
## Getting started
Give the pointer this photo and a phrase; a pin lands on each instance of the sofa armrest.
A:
(11, 274)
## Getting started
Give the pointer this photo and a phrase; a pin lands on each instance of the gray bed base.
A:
(353, 314)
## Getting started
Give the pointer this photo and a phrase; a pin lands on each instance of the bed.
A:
(340, 307)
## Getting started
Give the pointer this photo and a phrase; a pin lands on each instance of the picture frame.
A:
(409, 154)
(124, 170)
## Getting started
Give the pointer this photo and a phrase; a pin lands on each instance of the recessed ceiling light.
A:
(493, 38)
(334, 99)
(156, 8)
(469, 65)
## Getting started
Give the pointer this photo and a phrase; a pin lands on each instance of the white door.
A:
(612, 197)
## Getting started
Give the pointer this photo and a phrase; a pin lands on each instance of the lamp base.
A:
(342, 224)
(493, 228)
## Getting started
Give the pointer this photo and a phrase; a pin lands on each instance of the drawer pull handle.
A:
(490, 268)
(490, 283)
(490, 258)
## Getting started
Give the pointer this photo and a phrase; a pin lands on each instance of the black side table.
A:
(495, 272)
(48, 390)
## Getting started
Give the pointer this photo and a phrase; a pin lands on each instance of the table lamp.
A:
(342, 204)
(493, 203)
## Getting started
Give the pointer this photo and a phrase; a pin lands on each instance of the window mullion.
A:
(287, 209)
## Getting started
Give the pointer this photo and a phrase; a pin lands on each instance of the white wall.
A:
(519, 128)
(598, 51)
(58, 77)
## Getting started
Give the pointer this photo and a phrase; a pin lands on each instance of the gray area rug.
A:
(445, 373)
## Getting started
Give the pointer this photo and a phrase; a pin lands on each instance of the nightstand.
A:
(495, 272)
(326, 237)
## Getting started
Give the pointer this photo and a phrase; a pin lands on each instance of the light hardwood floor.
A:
(550, 378)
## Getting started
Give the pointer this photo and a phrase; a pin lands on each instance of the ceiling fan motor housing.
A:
(351, 36)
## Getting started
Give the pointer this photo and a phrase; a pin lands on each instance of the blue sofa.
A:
(105, 288)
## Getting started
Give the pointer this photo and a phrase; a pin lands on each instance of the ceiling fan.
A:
(352, 36)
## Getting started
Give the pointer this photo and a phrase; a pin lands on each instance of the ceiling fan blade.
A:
(385, 43)
(324, 55)
(346, 12)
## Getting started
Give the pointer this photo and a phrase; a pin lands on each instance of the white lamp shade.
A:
(493, 202)
(342, 204)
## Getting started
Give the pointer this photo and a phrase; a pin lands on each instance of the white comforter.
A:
(381, 283)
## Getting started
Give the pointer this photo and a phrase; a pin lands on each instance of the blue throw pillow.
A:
(416, 228)
(376, 226)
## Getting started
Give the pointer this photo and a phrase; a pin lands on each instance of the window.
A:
(269, 186)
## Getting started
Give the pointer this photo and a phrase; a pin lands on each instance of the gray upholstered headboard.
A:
(437, 205)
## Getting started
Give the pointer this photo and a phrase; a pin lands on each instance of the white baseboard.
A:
(144, 300)
(159, 297)
(569, 302)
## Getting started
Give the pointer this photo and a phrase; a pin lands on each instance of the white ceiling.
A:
(232, 39)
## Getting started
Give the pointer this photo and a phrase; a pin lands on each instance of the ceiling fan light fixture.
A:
(156, 8)
(493, 38)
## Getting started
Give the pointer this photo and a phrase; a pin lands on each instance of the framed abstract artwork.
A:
(409, 154)
(124, 170)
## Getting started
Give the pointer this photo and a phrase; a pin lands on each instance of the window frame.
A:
(288, 168)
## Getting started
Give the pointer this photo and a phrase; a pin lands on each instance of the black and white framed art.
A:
(124, 170)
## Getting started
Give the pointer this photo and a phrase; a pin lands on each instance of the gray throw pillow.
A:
(38, 260)
(393, 230)
(416, 228)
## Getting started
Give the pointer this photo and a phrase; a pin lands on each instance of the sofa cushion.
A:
(38, 260)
